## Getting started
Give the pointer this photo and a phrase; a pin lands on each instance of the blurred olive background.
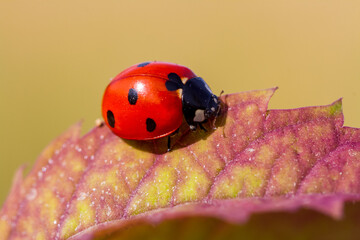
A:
(56, 57)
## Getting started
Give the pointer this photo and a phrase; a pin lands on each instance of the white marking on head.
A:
(215, 100)
(199, 115)
(212, 109)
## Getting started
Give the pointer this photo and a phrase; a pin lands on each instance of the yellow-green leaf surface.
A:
(250, 161)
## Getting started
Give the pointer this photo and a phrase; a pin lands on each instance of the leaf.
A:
(257, 162)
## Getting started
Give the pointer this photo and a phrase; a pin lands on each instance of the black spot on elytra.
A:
(132, 96)
(110, 118)
(174, 82)
(150, 125)
(143, 64)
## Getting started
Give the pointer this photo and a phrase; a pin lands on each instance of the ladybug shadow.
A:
(183, 137)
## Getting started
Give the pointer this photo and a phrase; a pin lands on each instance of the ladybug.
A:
(149, 101)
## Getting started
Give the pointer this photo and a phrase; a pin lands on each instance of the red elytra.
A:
(137, 104)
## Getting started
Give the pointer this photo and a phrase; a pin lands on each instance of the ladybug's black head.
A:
(199, 103)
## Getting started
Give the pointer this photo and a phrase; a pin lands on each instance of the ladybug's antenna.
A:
(174, 82)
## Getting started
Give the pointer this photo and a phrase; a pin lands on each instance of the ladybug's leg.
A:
(202, 127)
(169, 139)
(192, 127)
(169, 143)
